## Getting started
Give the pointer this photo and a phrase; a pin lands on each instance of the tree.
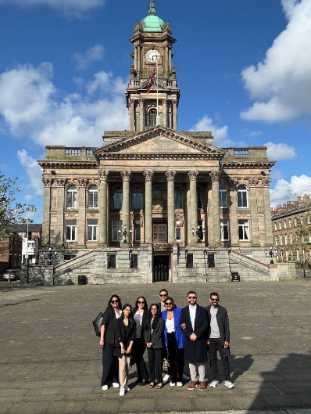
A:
(11, 211)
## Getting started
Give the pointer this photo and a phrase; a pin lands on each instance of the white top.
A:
(215, 333)
(118, 314)
(193, 311)
(170, 325)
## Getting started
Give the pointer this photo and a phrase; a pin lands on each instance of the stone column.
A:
(233, 222)
(174, 115)
(188, 228)
(193, 213)
(59, 229)
(213, 211)
(82, 184)
(170, 175)
(141, 115)
(148, 206)
(253, 194)
(47, 183)
(267, 212)
(126, 206)
(103, 209)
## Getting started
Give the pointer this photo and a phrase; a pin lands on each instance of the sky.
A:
(243, 66)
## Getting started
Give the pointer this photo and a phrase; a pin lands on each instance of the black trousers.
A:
(175, 358)
(110, 366)
(214, 346)
(139, 348)
(155, 364)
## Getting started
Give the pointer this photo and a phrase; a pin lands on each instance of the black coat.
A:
(111, 323)
(223, 322)
(124, 335)
(155, 334)
(195, 352)
(144, 324)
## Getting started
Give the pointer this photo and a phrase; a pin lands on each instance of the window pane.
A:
(117, 200)
(137, 201)
(179, 199)
(189, 263)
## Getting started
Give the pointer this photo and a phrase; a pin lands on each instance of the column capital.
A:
(215, 175)
(148, 174)
(125, 175)
(103, 175)
(193, 175)
(170, 175)
(82, 182)
(60, 182)
(47, 182)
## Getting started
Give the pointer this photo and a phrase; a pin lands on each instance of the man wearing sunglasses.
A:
(163, 294)
(194, 322)
(219, 340)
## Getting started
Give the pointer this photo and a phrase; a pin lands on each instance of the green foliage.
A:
(11, 211)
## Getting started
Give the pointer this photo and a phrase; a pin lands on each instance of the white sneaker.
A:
(179, 384)
(105, 388)
(213, 384)
(122, 391)
(115, 385)
(165, 378)
(229, 385)
(172, 384)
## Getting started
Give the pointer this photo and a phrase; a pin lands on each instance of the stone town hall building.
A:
(154, 203)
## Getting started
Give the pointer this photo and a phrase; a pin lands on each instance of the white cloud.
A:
(289, 190)
(280, 84)
(220, 133)
(280, 151)
(75, 7)
(90, 56)
(104, 81)
(30, 105)
(33, 172)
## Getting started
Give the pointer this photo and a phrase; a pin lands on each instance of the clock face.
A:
(152, 56)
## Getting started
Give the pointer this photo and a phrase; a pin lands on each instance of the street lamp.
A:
(51, 257)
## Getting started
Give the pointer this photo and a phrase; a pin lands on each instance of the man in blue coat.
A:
(195, 325)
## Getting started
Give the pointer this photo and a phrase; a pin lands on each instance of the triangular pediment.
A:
(162, 141)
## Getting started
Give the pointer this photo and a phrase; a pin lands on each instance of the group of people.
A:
(181, 339)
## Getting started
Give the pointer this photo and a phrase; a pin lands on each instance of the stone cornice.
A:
(249, 164)
(171, 156)
(66, 164)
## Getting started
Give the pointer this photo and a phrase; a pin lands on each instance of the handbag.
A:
(97, 323)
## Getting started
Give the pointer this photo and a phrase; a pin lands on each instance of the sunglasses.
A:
(164, 294)
(141, 301)
(192, 297)
(115, 301)
(215, 300)
(168, 303)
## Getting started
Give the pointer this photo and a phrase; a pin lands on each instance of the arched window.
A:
(71, 197)
(152, 117)
(92, 197)
(242, 197)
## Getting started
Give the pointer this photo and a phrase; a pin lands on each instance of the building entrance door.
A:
(161, 268)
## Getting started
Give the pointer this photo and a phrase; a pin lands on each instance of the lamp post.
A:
(51, 257)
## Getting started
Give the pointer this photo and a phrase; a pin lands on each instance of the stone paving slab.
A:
(50, 361)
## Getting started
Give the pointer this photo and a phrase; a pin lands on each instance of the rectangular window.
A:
(73, 152)
(71, 230)
(92, 230)
(137, 201)
(111, 261)
(223, 198)
(134, 261)
(137, 230)
(241, 152)
(242, 198)
(189, 261)
(116, 200)
(211, 260)
(178, 234)
(179, 199)
(224, 230)
(244, 230)
(116, 230)
(93, 198)
(71, 198)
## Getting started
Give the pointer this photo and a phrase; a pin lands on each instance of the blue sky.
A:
(243, 66)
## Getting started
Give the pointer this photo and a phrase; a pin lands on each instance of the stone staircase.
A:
(249, 269)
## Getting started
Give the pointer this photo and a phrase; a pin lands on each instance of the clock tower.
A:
(152, 93)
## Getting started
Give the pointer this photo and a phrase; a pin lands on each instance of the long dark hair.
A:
(127, 305)
(146, 304)
(109, 306)
(157, 316)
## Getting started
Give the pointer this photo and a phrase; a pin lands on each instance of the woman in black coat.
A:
(141, 320)
(154, 341)
(108, 340)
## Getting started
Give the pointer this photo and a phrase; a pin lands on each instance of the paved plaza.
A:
(50, 360)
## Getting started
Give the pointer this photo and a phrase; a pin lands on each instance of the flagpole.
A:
(157, 70)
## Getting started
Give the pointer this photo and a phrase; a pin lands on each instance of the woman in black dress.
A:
(108, 340)
(126, 334)
(154, 341)
(141, 320)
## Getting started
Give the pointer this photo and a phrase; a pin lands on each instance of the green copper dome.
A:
(153, 23)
